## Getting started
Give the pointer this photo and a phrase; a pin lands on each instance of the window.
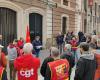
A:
(64, 25)
(66, 2)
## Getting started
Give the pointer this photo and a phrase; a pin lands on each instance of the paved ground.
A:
(43, 55)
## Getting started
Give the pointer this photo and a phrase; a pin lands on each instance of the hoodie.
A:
(88, 56)
(27, 67)
(86, 66)
(12, 52)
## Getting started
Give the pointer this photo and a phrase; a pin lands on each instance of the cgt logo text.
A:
(27, 73)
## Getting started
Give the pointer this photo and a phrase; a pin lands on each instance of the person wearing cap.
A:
(27, 65)
(57, 69)
(67, 54)
(86, 65)
(3, 64)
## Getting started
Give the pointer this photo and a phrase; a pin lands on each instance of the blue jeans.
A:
(75, 55)
(37, 53)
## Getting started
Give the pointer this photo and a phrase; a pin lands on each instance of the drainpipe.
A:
(52, 26)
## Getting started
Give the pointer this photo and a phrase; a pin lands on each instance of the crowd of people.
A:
(23, 58)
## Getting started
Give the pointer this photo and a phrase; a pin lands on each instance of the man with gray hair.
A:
(68, 55)
(54, 62)
(54, 52)
(27, 65)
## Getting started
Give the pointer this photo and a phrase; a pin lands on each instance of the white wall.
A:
(78, 16)
(49, 22)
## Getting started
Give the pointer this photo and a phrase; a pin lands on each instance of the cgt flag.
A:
(28, 35)
(90, 2)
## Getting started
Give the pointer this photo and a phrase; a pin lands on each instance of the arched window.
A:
(8, 26)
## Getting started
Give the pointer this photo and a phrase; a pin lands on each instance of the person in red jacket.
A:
(3, 64)
(20, 42)
(3, 59)
(74, 44)
(27, 65)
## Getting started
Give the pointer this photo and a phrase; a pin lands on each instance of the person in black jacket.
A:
(86, 66)
(80, 34)
(55, 56)
(44, 65)
(60, 41)
(82, 37)
(37, 45)
(47, 60)
(68, 55)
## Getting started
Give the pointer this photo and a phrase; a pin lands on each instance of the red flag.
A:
(90, 2)
(28, 35)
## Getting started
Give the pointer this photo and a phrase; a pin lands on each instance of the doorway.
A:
(35, 23)
(8, 26)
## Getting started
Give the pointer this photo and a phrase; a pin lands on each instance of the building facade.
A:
(64, 16)
(44, 17)
(91, 17)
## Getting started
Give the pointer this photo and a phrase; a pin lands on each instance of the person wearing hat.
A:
(3, 64)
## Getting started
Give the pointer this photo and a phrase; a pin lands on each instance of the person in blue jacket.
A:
(37, 45)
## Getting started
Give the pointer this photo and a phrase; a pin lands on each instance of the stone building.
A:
(44, 17)
(91, 9)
